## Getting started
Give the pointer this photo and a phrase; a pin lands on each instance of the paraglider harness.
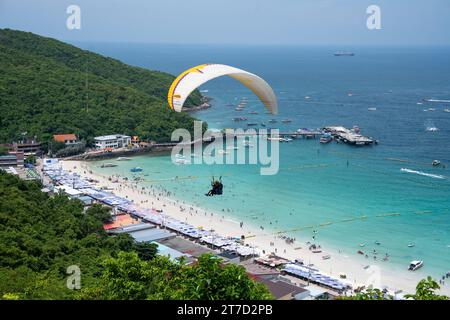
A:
(217, 187)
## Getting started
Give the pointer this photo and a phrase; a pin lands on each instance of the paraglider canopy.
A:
(194, 77)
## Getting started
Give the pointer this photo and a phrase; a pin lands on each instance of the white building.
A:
(112, 141)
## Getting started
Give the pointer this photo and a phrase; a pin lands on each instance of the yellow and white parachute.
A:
(194, 77)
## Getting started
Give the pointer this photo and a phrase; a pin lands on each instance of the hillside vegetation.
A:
(42, 236)
(48, 87)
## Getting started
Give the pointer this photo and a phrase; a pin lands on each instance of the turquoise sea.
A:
(360, 190)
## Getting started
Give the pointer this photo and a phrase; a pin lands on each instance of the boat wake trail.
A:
(436, 176)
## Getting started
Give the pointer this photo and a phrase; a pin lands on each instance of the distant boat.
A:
(253, 112)
(272, 121)
(248, 144)
(362, 244)
(344, 54)
(326, 138)
(414, 265)
(446, 110)
(136, 169)
(108, 165)
(204, 91)
(435, 163)
(252, 124)
(123, 159)
(372, 109)
(182, 161)
(411, 245)
(286, 120)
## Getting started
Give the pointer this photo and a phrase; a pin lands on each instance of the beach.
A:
(358, 273)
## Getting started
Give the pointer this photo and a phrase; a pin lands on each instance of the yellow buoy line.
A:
(328, 223)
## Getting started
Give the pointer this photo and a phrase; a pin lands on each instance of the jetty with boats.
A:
(349, 136)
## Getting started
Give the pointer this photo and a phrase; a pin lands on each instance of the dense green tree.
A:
(425, 290)
(49, 87)
(41, 236)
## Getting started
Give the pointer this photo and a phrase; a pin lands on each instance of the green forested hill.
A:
(41, 236)
(47, 87)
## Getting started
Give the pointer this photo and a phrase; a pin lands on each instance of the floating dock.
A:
(349, 136)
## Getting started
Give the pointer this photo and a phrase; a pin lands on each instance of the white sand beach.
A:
(358, 273)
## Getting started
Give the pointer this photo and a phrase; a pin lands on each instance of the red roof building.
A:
(68, 139)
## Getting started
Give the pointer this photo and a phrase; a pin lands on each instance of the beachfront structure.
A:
(113, 141)
(30, 147)
(12, 159)
(69, 139)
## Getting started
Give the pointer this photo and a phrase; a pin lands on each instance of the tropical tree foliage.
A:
(425, 290)
(49, 87)
(41, 236)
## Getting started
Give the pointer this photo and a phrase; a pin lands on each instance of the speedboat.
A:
(436, 163)
(182, 161)
(136, 169)
(326, 138)
(123, 159)
(272, 121)
(372, 109)
(414, 265)
(249, 124)
(286, 139)
(362, 244)
(108, 165)
(286, 120)
(410, 245)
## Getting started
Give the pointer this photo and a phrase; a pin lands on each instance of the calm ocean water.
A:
(315, 186)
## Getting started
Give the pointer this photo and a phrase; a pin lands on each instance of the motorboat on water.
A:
(222, 152)
(362, 245)
(286, 139)
(414, 265)
(286, 120)
(272, 121)
(253, 112)
(250, 124)
(248, 144)
(411, 245)
(326, 138)
(182, 161)
(123, 159)
(136, 169)
(108, 165)
(436, 163)
(446, 110)
(372, 109)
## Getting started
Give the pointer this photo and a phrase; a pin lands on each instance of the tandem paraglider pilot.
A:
(217, 187)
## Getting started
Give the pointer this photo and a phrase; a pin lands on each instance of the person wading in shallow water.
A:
(217, 187)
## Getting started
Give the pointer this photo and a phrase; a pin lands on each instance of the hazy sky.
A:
(293, 22)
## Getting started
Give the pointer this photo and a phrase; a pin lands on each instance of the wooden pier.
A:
(349, 136)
